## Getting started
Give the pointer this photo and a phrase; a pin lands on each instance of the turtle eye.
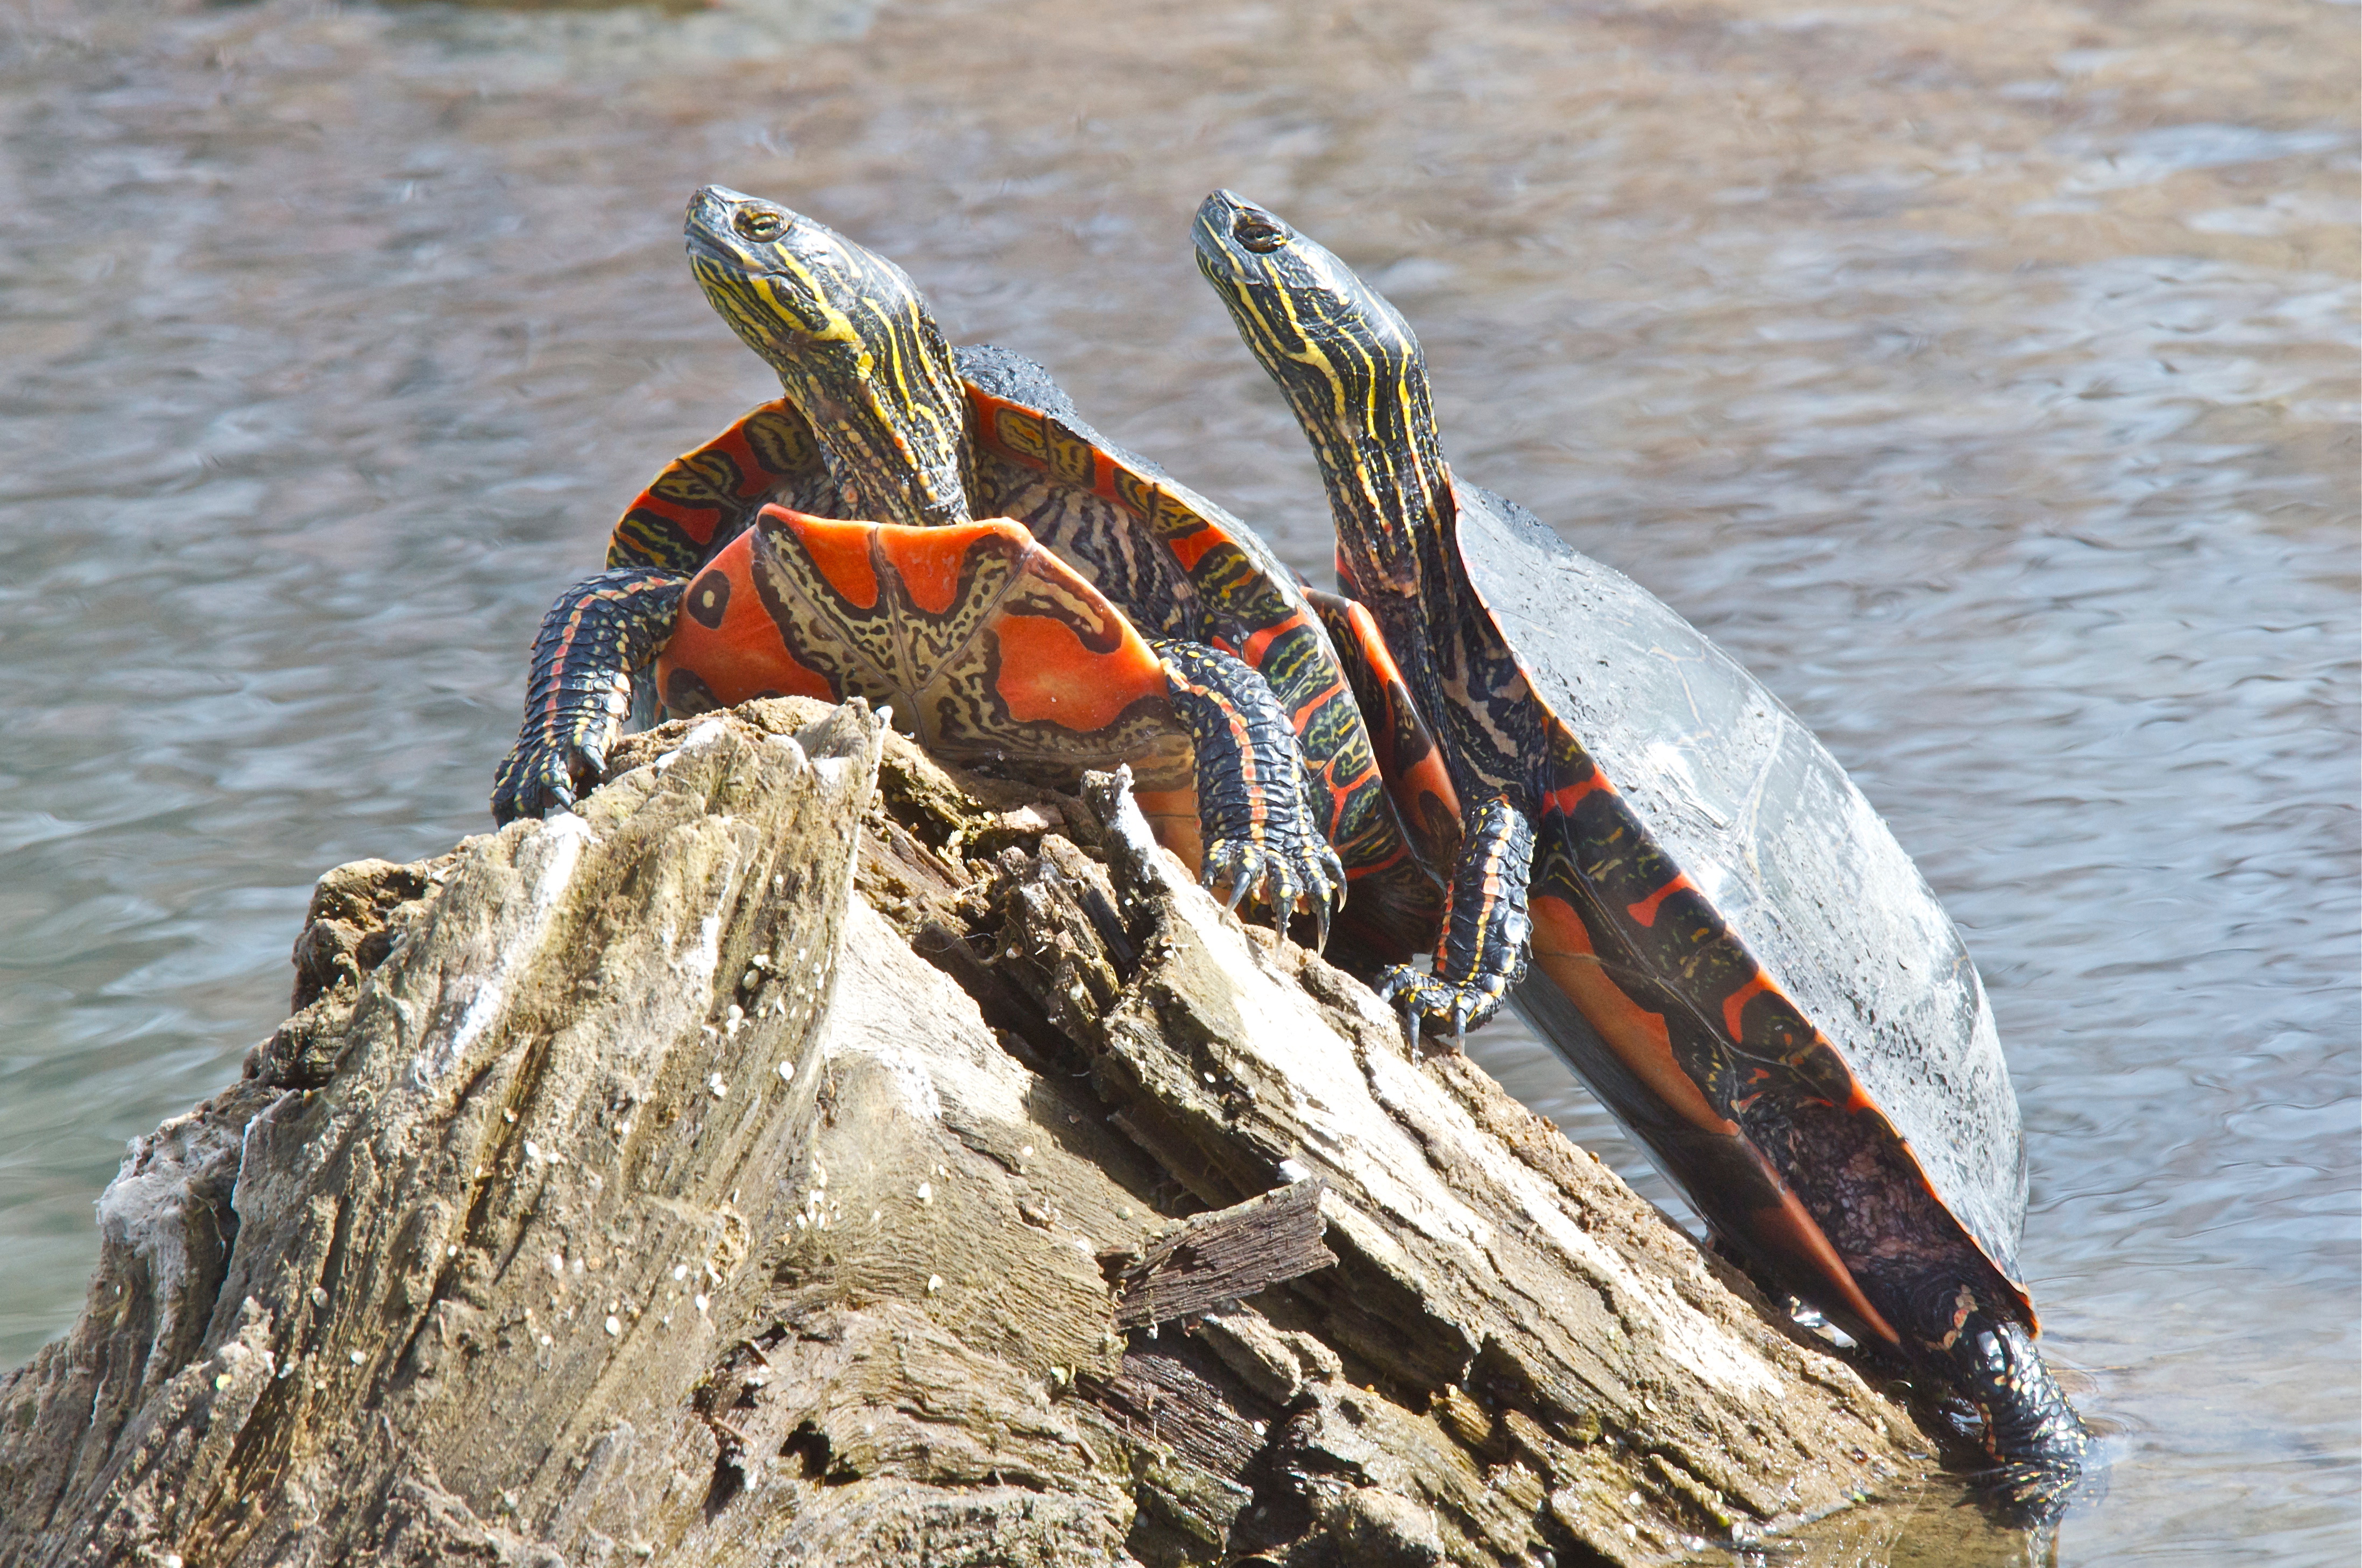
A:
(1258, 235)
(760, 223)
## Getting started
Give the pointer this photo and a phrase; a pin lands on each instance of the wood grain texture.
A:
(730, 1177)
(1212, 1258)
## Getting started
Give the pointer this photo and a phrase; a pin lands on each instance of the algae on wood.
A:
(807, 1155)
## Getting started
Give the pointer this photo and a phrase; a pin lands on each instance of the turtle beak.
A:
(707, 227)
(711, 208)
(1212, 226)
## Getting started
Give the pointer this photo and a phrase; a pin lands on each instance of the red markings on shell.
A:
(1049, 674)
(1562, 950)
(730, 642)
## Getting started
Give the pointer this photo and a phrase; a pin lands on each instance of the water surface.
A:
(1981, 376)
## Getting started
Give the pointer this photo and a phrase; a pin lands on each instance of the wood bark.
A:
(810, 1156)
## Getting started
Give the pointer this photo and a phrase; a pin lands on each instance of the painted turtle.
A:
(1728, 945)
(728, 572)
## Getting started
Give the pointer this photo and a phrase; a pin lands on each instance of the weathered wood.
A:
(723, 1178)
(1216, 1257)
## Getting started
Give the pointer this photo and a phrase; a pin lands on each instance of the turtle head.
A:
(1352, 371)
(854, 345)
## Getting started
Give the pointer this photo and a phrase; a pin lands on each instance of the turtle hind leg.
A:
(2041, 1444)
(1258, 829)
(1487, 935)
(1989, 1358)
(591, 643)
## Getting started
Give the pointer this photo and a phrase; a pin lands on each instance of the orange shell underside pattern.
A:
(985, 645)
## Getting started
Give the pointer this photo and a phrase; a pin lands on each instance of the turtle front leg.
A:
(594, 638)
(1257, 824)
(1487, 936)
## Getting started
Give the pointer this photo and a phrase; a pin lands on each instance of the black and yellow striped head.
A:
(854, 345)
(1353, 375)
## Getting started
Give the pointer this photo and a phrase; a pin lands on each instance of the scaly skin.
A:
(1486, 933)
(875, 425)
(1701, 1048)
(599, 631)
(1259, 831)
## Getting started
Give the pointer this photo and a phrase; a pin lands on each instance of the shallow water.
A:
(1983, 378)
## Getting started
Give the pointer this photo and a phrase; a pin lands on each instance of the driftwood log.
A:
(810, 1156)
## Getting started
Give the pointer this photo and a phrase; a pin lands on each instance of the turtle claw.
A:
(1332, 871)
(1239, 872)
(541, 778)
(1280, 889)
(1238, 866)
(1322, 911)
(1398, 988)
(1447, 1009)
